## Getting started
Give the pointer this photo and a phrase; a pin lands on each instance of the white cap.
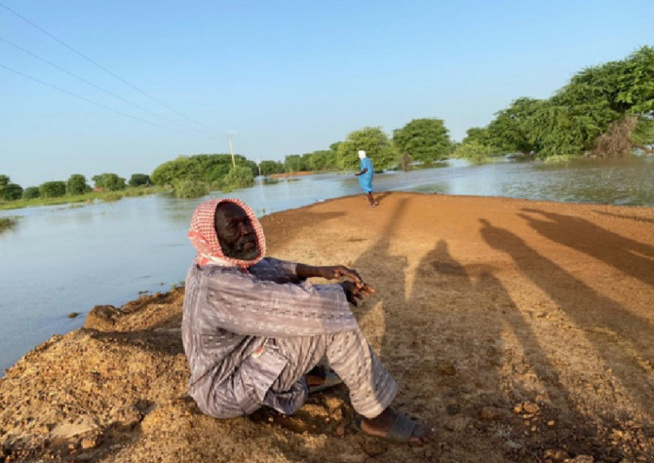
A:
(362, 154)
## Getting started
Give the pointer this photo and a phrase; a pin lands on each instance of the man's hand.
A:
(353, 293)
(339, 271)
(335, 272)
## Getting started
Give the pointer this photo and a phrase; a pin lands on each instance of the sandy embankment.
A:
(522, 330)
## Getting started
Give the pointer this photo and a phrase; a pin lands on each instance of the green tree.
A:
(208, 168)
(425, 140)
(12, 192)
(271, 167)
(511, 129)
(596, 101)
(4, 181)
(31, 192)
(190, 189)
(139, 180)
(293, 163)
(373, 141)
(9, 191)
(474, 151)
(182, 168)
(320, 160)
(238, 177)
(76, 185)
(54, 189)
(110, 181)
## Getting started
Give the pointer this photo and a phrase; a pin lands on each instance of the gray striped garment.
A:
(250, 337)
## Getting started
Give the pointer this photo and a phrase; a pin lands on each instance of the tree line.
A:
(75, 185)
(604, 110)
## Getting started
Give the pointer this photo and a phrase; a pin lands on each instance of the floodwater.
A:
(64, 259)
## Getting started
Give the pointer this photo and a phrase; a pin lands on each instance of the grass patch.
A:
(7, 223)
(561, 158)
(90, 197)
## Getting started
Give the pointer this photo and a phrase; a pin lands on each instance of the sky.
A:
(88, 87)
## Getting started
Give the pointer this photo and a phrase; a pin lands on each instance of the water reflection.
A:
(59, 260)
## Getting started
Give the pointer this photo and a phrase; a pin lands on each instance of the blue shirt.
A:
(365, 180)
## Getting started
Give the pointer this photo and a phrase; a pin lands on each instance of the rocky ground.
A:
(524, 331)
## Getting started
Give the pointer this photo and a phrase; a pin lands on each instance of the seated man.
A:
(254, 327)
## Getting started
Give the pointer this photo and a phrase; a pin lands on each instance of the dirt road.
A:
(524, 331)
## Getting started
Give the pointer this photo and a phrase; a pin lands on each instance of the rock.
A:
(492, 414)
(89, 442)
(447, 369)
(530, 407)
(453, 409)
(102, 318)
(580, 459)
(333, 403)
(73, 315)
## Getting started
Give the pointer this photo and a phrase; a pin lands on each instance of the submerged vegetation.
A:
(604, 111)
(89, 197)
(7, 223)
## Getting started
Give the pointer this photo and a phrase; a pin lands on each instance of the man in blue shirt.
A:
(365, 177)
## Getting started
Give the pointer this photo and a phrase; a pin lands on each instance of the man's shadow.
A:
(442, 339)
(621, 339)
(629, 256)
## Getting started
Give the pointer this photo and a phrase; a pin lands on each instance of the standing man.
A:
(254, 329)
(366, 171)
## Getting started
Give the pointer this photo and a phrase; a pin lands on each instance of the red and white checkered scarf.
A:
(205, 240)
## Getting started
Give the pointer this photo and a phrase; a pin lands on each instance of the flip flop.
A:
(400, 431)
(331, 380)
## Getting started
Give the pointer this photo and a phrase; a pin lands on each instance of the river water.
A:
(63, 259)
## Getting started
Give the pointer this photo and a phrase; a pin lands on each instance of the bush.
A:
(54, 189)
(109, 181)
(77, 185)
(12, 192)
(111, 197)
(139, 179)
(31, 192)
(238, 177)
(474, 152)
(190, 189)
(616, 141)
(7, 222)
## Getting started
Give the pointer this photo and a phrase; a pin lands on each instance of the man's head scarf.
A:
(362, 154)
(204, 239)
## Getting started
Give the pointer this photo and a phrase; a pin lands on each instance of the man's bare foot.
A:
(392, 425)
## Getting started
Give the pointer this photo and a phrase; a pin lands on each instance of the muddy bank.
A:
(522, 330)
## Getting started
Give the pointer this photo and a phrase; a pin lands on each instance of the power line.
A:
(102, 67)
(86, 99)
(95, 86)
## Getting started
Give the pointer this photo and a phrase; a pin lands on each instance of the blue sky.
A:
(284, 77)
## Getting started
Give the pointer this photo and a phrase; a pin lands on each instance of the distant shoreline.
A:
(290, 174)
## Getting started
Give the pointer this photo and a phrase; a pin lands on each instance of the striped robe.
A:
(250, 336)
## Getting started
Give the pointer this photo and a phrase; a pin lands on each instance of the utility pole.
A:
(229, 136)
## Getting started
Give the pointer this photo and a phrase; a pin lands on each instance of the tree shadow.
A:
(629, 256)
